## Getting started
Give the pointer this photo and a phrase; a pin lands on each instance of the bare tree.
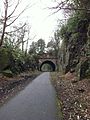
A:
(9, 17)
(4, 21)
(28, 38)
(20, 35)
(70, 6)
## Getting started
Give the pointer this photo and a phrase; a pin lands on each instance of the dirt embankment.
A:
(74, 96)
(11, 86)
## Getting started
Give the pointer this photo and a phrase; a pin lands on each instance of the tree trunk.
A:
(4, 24)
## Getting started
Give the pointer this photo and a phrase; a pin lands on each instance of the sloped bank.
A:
(74, 96)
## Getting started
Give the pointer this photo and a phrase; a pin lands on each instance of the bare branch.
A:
(18, 16)
(16, 29)
(67, 5)
(13, 9)
(68, 8)
(19, 42)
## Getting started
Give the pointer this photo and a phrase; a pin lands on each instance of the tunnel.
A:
(50, 63)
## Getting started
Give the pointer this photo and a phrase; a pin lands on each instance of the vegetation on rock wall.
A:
(75, 48)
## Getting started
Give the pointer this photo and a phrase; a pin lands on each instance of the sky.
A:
(43, 23)
(40, 18)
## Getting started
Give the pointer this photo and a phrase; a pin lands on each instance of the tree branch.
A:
(18, 16)
(16, 29)
(14, 9)
(4, 24)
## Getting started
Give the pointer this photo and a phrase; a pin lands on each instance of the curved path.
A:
(35, 102)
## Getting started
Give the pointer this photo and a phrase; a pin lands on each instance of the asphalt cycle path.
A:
(36, 102)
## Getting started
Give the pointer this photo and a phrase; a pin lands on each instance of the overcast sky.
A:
(39, 16)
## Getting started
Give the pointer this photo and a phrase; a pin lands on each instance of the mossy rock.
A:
(83, 69)
(87, 73)
(77, 70)
(7, 73)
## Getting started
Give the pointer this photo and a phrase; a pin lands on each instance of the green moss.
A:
(77, 70)
(59, 107)
(88, 73)
(7, 73)
(54, 78)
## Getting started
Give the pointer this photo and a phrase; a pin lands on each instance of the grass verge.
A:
(54, 77)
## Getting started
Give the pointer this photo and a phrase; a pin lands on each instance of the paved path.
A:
(35, 102)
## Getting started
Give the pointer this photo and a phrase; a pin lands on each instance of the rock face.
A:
(77, 56)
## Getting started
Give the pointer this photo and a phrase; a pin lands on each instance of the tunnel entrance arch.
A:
(45, 58)
(51, 66)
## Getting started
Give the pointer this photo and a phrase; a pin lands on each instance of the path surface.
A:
(35, 102)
